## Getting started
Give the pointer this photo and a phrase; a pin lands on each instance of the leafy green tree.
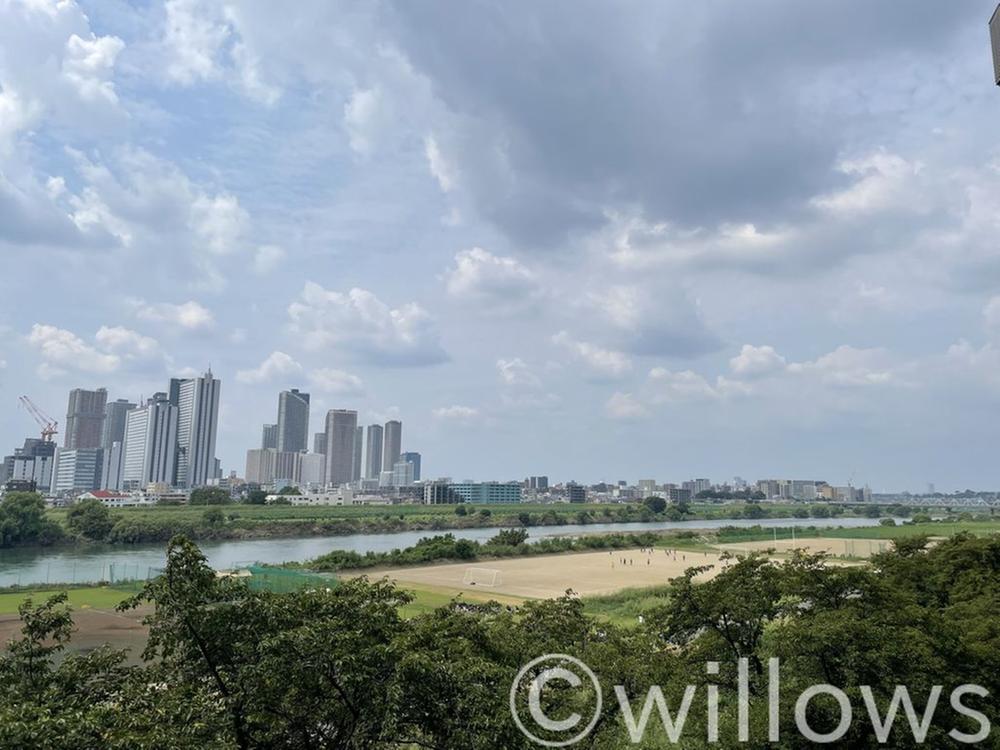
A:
(209, 496)
(655, 504)
(460, 510)
(90, 519)
(289, 490)
(23, 520)
(213, 518)
(509, 538)
(256, 497)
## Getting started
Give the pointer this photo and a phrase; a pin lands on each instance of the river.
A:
(34, 565)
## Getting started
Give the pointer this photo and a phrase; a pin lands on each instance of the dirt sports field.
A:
(848, 548)
(547, 576)
(93, 628)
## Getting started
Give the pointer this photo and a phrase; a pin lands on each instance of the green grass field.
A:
(96, 597)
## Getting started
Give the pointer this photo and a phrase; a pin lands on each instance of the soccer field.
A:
(547, 576)
(848, 548)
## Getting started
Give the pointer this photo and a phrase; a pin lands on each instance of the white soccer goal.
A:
(482, 577)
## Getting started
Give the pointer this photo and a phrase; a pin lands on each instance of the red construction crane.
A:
(49, 426)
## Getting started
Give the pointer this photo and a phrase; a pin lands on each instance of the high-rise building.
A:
(293, 421)
(150, 449)
(359, 440)
(197, 402)
(341, 427)
(77, 469)
(413, 458)
(373, 452)
(114, 422)
(392, 444)
(312, 469)
(402, 474)
(995, 43)
(85, 418)
(111, 467)
(269, 436)
(319, 443)
(32, 463)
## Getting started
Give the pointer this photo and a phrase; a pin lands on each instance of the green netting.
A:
(284, 580)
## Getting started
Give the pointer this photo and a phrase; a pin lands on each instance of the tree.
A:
(510, 538)
(90, 519)
(289, 490)
(209, 496)
(23, 520)
(460, 510)
(655, 504)
(256, 497)
(213, 517)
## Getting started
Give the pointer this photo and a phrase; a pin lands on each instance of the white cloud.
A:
(219, 221)
(189, 315)
(360, 323)
(754, 361)
(490, 282)
(602, 361)
(673, 387)
(456, 413)
(88, 65)
(362, 113)
(267, 259)
(278, 365)
(193, 38)
(883, 181)
(991, 313)
(60, 349)
(625, 406)
(440, 168)
(516, 373)
(847, 366)
(336, 381)
(130, 343)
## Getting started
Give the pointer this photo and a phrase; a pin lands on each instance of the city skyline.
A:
(789, 271)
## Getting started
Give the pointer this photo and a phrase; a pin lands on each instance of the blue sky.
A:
(588, 240)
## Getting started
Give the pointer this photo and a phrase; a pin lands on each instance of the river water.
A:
(35, 565)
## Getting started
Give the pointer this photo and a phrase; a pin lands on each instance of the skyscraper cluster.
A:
(343, 453)
(169, 439)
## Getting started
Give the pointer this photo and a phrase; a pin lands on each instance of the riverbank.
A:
(129, 526)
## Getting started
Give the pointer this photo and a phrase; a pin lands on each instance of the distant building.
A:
(269, 436)
(373, 451)
(487, 492)
(319, 443)
(113, 430)
(85, 418)
(293, 421)
(267, 466)
(402, 474)
(392, 444)
(413, 458)
(341, 428)
(576, 493)
(539, 483)
(359, 442)
(312, 468)
(112, 462)
(150, 448)
(77, 470)
(995, 43)
(197, 402)
(30, 465)
(647, 487)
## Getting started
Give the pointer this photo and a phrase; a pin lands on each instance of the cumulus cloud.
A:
(278, 365)
(753, 361)
(339, 382)
(847, 366)
(625, 406)
(456, 413)
(603, 362)
(63, 350)
(491, 283)
(516, 373)
(188, 315)
(124, 341)
(267, 259)
(359, 322)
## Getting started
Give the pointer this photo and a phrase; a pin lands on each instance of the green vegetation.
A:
(209, 496)
(90, 520)
(97, 597)
(366, 665)
(23, 521)
(507, 543)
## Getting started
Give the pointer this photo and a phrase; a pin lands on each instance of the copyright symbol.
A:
(552, 691)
